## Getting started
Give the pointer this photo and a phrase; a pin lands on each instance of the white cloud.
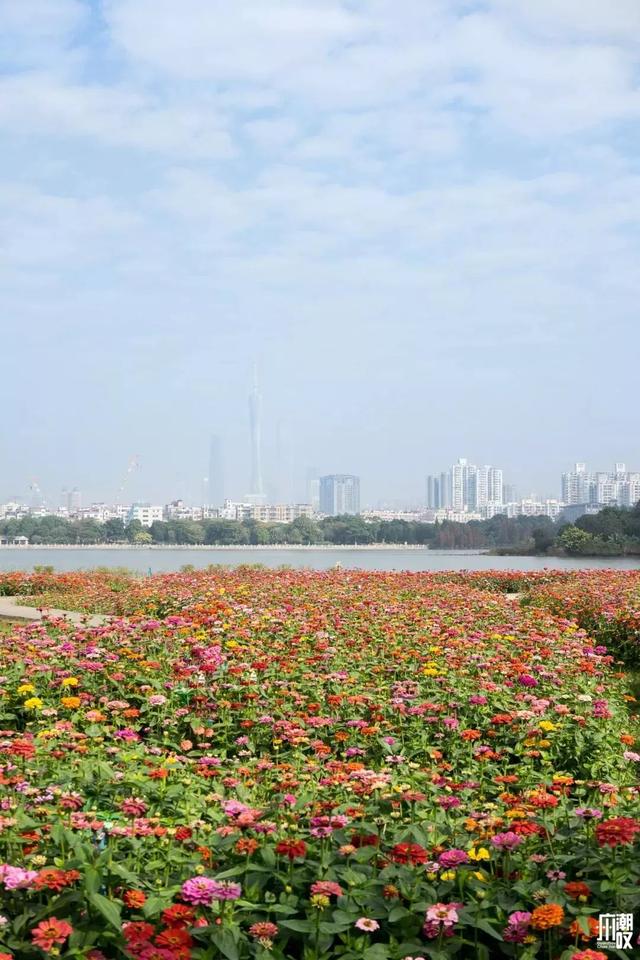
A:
(34, 30)
(120, 116)
(247, 40)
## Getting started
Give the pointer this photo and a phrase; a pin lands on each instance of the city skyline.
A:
(464, 490)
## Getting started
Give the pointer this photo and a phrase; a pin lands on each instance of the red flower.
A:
(618, 830)
(174, 937)
(178, 915)
(137, 932)
(411, 853)
(291, 848)
(50, 933)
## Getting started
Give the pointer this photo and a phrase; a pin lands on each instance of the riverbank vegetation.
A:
(612, 532)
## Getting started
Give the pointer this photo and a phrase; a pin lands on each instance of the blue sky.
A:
(419, 217)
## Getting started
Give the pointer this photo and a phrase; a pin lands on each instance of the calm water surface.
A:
(158, 559)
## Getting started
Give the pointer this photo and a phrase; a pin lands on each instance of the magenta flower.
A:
(226, 890)
(453, 858)
(517, 927)
(199, 890)
(506, 841)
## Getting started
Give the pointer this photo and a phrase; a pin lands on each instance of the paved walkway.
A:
(10, 609)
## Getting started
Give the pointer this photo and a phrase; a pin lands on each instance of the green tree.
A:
(575, 541)
(133, 527)
(114, 530)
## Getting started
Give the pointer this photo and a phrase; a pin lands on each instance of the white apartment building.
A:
(264, 512)
(617, 488)
(535, 508)
(146, 513)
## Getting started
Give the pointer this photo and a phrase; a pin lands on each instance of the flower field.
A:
(295, 764)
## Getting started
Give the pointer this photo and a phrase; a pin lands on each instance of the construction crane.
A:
(133, 465)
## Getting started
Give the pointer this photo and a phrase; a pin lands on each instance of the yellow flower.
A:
(429, 672)
(319, 900)
(70, 682)
(447, 875)
(547, 726)
(33, 703)
(481, 853)
(479, 875)
(26, 688)
(544, 744)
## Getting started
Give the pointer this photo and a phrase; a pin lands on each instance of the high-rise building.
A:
(74, 502)
(575, 485)
(255, 423)
(339, 494)
(313, 487)
(433, 493)
(600, 489)
(215, 485)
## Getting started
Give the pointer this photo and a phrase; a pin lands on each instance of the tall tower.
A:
(255, 417)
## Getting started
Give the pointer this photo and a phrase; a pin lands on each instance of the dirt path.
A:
(10, 609)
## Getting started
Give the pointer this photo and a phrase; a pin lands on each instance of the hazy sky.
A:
(419, 217)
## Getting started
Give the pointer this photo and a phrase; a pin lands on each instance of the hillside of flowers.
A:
(303, 765)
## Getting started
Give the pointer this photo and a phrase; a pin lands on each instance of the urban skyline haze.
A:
(420, 219)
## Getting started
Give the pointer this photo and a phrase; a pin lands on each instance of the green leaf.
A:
(154, 906)
(109, 910)
(298, 926)
(225, 943)
(487, 928)
(92, 880)
(379, 951)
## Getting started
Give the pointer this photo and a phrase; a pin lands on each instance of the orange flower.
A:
(71, 702)
(134, 899)
(547, 916)
(576, 930)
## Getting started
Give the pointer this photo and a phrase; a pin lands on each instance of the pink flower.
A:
(326, 888)
(506, 841)
(440, 918)
(368, 925)
(517, 927)
(453, 858)
(133, 806)
(15, 878)
(198, 890)
(226, 890)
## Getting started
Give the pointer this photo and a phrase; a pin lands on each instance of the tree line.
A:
(612, 531)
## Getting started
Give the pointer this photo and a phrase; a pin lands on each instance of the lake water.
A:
(163, 559)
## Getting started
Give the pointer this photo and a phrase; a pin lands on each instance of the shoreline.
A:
(249, 547)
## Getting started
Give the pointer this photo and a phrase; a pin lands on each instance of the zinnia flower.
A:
(616, 831)
(547, 916)
(368, 925)
(50, 933)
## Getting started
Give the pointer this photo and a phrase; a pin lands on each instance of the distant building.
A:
(619, 488)
(313, 487)
(74, 502)
(265, 512)
(339, 494)
(145, 513)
